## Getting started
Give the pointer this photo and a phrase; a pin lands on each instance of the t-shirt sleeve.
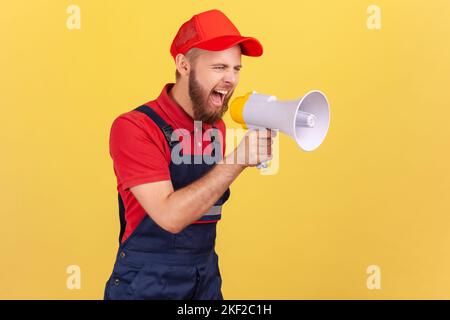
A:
(139, 152)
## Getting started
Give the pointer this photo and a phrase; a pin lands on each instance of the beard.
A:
(200, 102)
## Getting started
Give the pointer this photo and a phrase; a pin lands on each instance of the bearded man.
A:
(169, 209)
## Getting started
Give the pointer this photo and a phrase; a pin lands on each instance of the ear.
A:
(182, 64)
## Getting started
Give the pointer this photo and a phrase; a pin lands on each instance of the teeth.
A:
(222, 91)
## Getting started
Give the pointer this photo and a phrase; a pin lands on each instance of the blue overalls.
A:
(153, 263)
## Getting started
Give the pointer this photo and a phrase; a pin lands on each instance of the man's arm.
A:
(175, 210)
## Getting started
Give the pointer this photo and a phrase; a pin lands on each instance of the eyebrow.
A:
(226, 65)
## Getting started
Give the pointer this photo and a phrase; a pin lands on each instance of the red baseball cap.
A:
(212, 30)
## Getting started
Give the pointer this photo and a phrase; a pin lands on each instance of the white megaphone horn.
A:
(306, 119)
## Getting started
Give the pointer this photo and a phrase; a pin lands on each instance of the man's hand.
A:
(254, 148)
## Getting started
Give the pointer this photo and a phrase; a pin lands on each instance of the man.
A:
(170, 198)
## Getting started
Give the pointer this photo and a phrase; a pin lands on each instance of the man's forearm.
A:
(189, 203)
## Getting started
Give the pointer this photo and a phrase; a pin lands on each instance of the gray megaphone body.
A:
(306, 120)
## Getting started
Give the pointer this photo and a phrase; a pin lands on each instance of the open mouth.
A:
(218, 96)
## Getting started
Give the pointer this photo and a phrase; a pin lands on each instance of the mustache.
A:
(223, 88)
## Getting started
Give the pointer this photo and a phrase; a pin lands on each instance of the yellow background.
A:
(375, 193)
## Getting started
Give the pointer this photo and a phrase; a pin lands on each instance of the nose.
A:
(230, 77)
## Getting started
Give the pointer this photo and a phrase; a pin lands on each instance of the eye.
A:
(219, 68)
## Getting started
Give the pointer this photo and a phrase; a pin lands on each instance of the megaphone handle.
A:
(262, 165)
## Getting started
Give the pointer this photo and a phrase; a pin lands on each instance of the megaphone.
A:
(306, 119)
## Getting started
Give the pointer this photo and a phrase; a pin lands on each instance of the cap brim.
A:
(249, 46)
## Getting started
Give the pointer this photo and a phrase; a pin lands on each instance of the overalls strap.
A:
(165, 128)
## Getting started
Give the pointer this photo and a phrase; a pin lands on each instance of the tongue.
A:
(216, 98)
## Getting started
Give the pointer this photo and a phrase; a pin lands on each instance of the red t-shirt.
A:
(141, 153)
